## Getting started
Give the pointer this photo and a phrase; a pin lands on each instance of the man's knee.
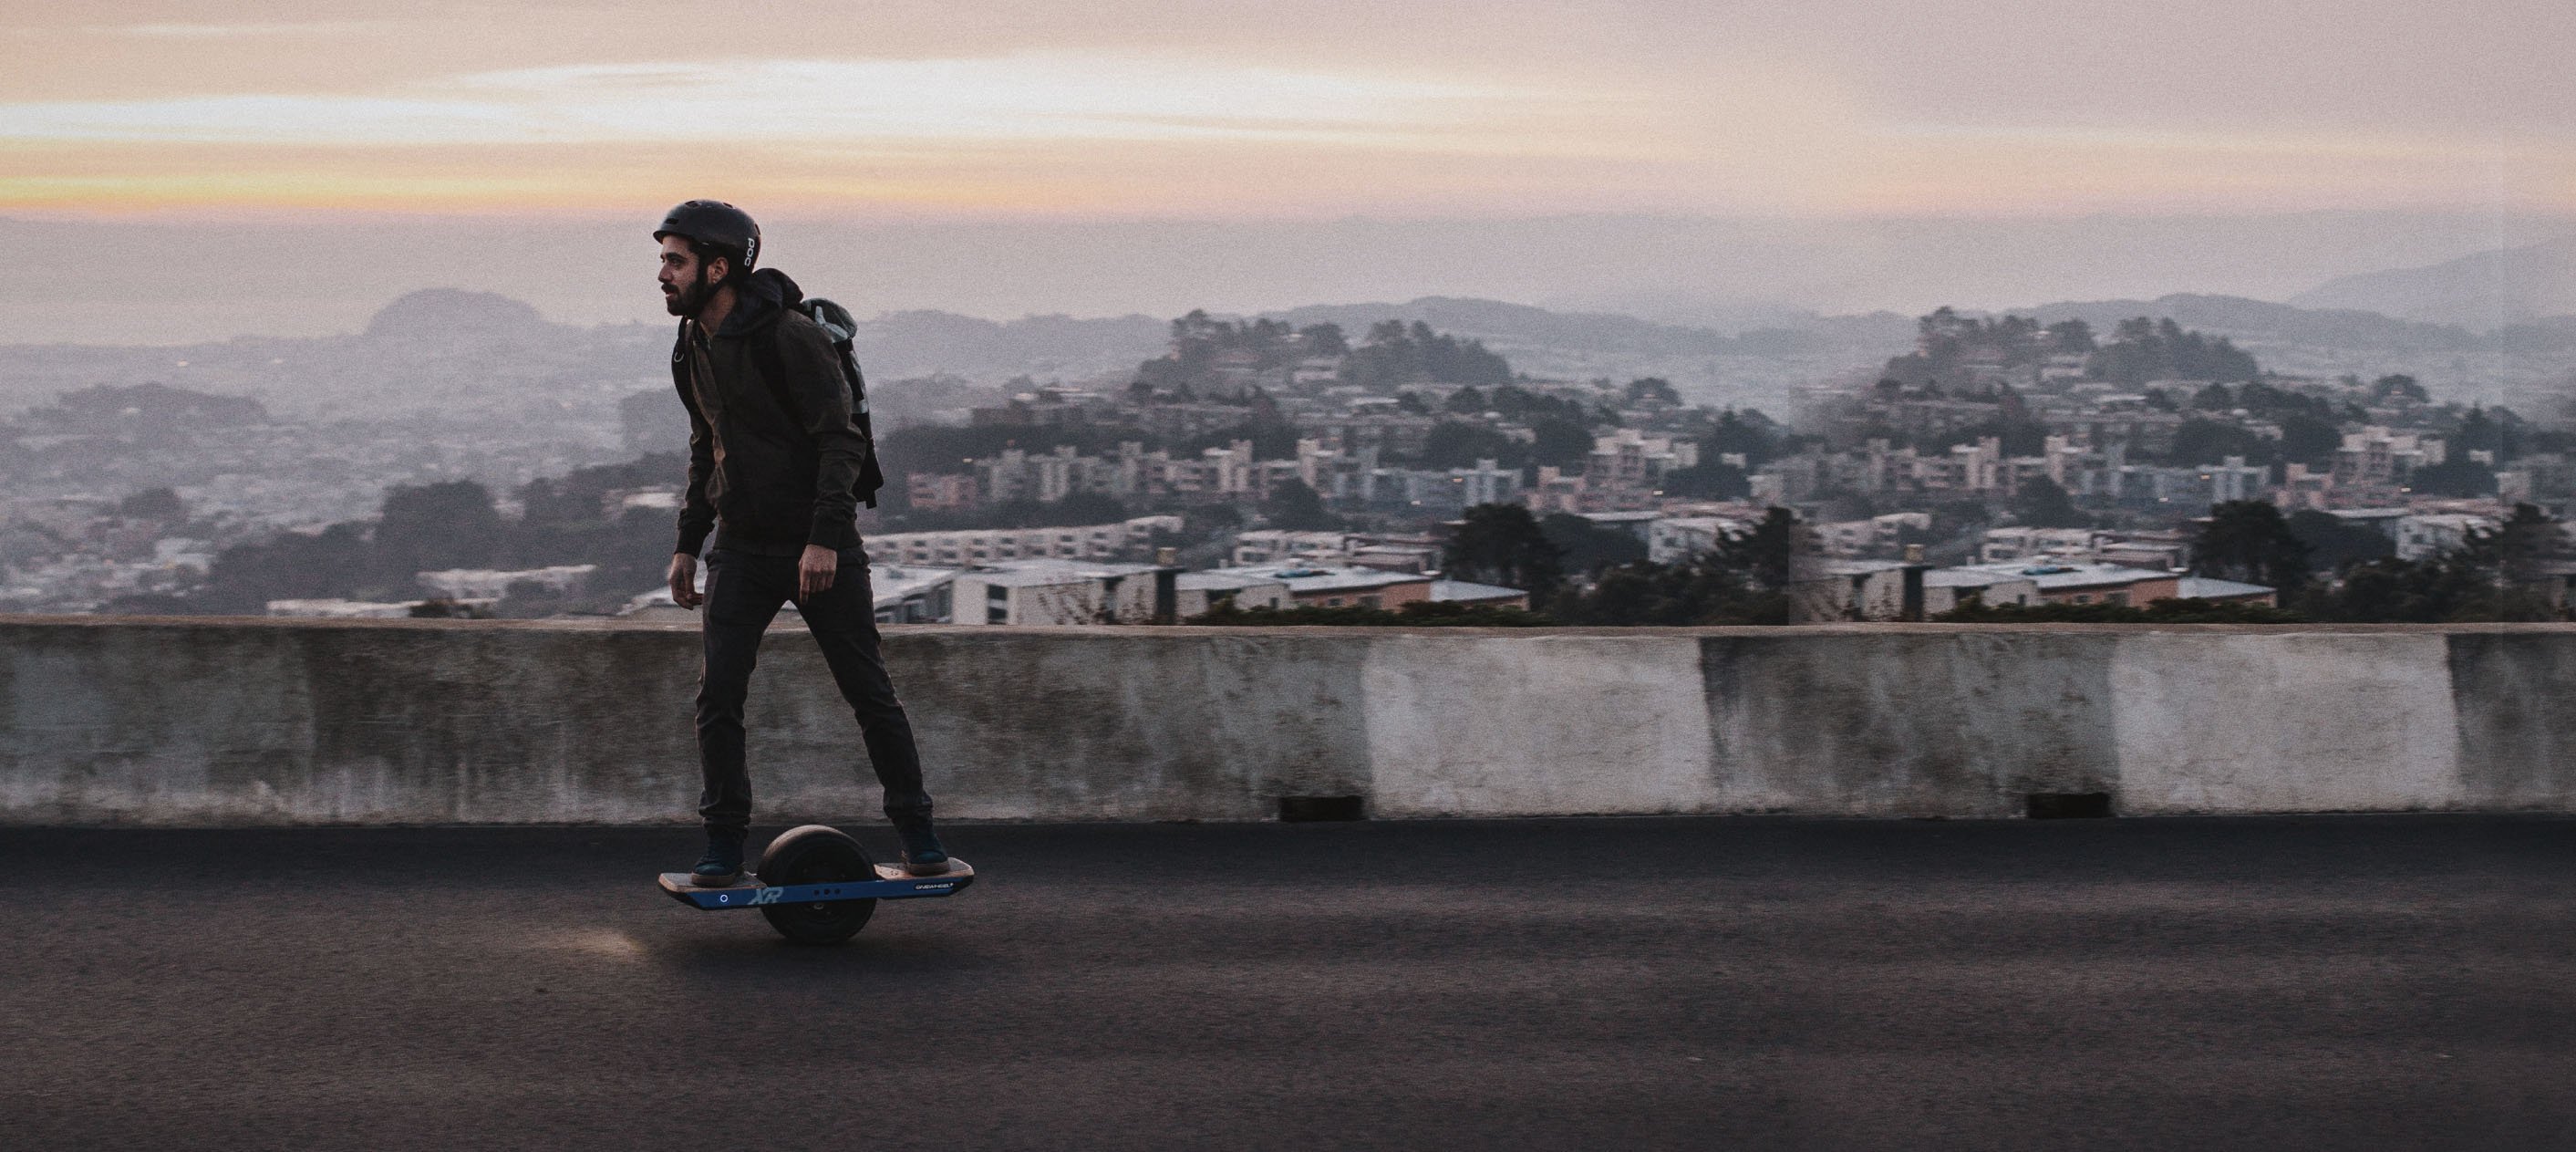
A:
(722, 699)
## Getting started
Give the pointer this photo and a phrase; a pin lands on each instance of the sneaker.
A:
(722, 865)
(922, 855)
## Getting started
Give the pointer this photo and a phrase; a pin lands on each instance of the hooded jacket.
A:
(772, 463)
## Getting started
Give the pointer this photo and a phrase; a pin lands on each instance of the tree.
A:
(2042, 503)
(1770, 552)
(1396, 354)
(1503, 544)
(1748, 433)
(1562, 443)
(2398, 389)
(2071, 338)
(1958, 517)
(2519, 548)
(579, 497)
(1708, 481)
(2201, 441)
(2247, 541)
(1459, 444)
(1295, 506)
(1586, 547)
(1653, 390)
(2335, 544)
(2460, 476)
(2018, 437)
(1323, 340)
(434, 526)
(2143, 349)
(2480, 431)
(2310, 440)
(153, 504)
(2486, 579)
(1080, 508)
(1273, 436)
(288, 566)
(1738, 582)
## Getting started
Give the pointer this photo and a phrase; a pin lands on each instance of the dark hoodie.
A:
(772, 462)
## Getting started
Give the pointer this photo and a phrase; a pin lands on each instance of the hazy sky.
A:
(1145, 109)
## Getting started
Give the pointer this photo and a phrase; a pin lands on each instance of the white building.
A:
(2381, 520)
(909, 595)
(1486, 483)
(493, 584)
(1477, 595)
(1677, 539)
(1200, 592)
(1347, 586)
(347, 609)
(1945, 589)
(1628, 459)
(1876, 534)
(1272, 545)
(2234, 479)
(1060, 592)
(1850, 590)
(1639, 524)
(2377, 457)
(2424, 537)
(968, 547)
(902, 594)
(2003, 544)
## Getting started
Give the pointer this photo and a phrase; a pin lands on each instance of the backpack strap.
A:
(680, 369)
(680, 359)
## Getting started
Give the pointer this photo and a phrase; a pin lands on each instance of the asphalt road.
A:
(2331, 982)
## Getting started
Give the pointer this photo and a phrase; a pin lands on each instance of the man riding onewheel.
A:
(776, 457)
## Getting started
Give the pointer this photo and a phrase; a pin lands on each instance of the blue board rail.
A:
(891, 884)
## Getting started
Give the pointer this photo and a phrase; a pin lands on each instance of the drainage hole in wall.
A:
(2069, 805)
(1307, 809)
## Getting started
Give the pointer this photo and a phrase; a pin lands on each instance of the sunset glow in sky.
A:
(1293, 108)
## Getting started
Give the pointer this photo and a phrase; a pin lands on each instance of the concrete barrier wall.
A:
(284, 722)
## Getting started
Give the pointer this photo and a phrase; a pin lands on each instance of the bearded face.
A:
(689, 298)
(687, 283)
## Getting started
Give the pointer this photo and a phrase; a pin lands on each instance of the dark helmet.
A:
(714, 223)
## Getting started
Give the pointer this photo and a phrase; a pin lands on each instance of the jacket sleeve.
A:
(697, 513)
(822, 399)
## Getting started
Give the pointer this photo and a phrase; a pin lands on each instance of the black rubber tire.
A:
(817, 854)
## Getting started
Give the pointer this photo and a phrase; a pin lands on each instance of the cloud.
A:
(237, 31)
(1040, 97)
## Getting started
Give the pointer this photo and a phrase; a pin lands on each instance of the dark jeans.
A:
(743, 594)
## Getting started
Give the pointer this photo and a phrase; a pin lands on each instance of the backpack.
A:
(837, 323)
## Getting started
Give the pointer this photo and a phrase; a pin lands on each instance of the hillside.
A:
(2484, 292)
(445, 350)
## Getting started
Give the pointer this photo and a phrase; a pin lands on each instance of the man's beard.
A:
(690, 298)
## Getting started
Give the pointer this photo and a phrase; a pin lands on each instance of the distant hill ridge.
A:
(2238, 316)
(446, 313)
(1498, 322)
(451, 334)
(2483, 292)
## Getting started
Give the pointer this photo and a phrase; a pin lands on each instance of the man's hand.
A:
(684, 581)
(816, 569)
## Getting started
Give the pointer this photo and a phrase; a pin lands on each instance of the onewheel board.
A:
(892, 883)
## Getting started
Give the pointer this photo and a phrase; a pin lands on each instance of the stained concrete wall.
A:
(286, 722)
